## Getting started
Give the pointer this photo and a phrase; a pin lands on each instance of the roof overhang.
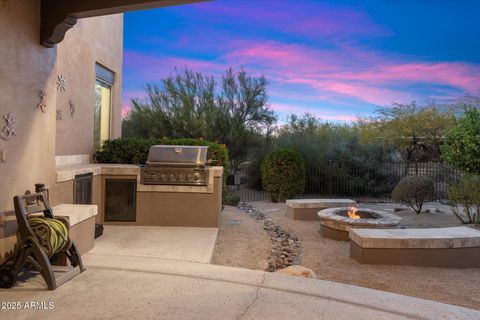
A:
(58, 16)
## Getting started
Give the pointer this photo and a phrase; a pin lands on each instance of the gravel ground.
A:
(243, 243)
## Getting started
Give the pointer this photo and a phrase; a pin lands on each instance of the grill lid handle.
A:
(178, 150)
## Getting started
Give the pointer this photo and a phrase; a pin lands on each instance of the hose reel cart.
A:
(40, 240)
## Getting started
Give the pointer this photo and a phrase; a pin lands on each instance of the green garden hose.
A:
(58, 232)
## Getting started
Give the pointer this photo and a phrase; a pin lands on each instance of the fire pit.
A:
(335, 223)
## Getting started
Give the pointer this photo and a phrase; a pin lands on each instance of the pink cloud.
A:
(125, 110)
(311, 19)
(326, 74)
(153, 68)
(322, 114)
(362, 91)
(462, 75)
(361, 74)
(128, 95)
(293, 57)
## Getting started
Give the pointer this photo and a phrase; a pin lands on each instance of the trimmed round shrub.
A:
(283, 174)
(230, 199)
(414, 190)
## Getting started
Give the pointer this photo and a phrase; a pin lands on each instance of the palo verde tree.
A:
(409, 129)
(244, 117)
(178, 108)
(319, 140)
(188, 104)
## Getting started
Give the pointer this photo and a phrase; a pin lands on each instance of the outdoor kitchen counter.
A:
(154, 205)
(82, 223)
(68, 172)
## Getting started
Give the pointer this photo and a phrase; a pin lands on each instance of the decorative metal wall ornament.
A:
(8, 131)
(72, 108)
(62, 83)
(42, 105)
(59, 114)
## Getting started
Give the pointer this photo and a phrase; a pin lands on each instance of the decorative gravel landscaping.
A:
(247, 243)
(287, 248)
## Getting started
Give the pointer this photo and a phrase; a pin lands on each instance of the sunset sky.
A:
(337, 60)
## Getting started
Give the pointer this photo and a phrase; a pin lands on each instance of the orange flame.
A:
(352, 213)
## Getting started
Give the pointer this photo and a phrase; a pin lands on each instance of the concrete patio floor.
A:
(186, 244)
(118, 285)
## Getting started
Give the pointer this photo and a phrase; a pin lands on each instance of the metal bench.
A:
(457, 247)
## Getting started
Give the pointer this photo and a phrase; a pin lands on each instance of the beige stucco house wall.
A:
(26, 69)
(37, 146)
(92, 40)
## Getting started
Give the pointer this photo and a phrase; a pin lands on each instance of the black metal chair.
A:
(33, 248)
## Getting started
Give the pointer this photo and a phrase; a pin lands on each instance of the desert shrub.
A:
(230, 199)
(350, 178)
(462, 143)
(135, 151)
(414, 190)
(466, 195)
(254, 167)
(283, 174)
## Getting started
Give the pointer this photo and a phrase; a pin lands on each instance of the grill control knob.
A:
(180, 177)
(162, 177)
(196, 177)
(172, 177)
(189, 177)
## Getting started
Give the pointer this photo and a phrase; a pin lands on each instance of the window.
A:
(103, 105)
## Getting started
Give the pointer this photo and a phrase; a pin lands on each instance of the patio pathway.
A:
(121, 286)
(186, 244)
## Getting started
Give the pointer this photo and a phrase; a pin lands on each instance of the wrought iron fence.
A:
(361, 181)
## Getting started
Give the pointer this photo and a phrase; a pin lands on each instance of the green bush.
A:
(414, 190)
(466, 195)
(283, 174)
(135, 151)
(462, 143)
(230, 199)
(253, 169)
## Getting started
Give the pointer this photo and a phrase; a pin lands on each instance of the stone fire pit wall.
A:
(307, 209)
(334, 225)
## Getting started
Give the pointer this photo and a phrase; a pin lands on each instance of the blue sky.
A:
(337, 60)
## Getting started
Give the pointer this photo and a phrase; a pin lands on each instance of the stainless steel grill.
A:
(176, 165)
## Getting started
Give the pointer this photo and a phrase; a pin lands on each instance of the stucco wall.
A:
(26, 68)
(178, 209)
(92, 40)
(61, 193)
